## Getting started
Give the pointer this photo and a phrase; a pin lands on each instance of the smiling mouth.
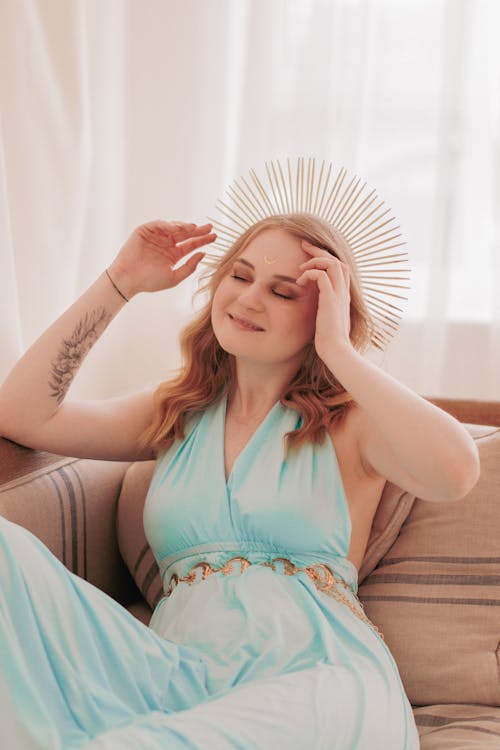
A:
(245, 326)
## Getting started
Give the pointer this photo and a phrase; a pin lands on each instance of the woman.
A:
(272, 448)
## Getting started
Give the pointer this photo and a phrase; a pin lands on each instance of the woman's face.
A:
(252, 289)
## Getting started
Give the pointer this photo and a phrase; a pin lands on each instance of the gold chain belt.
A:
(324, 580)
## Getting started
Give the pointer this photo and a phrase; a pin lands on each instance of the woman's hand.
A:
(333, 321)
(144, 263)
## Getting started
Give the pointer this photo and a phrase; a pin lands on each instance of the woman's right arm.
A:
(33, 410)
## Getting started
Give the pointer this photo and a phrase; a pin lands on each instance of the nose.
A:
(251, 297)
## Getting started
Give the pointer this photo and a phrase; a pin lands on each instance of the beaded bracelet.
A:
(121, 295)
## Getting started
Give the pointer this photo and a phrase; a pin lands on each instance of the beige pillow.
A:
(393, 509)
(132, 542)
(435, 594)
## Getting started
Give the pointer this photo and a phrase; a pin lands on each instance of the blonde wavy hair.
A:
(207, 370)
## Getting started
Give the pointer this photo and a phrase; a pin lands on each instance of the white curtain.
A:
(115, 112)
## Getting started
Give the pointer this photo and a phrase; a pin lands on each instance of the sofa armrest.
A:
(70, 504)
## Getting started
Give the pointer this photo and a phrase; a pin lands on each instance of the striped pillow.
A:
(435, 594)
(459, 726)
(132, 542)
(69, 503)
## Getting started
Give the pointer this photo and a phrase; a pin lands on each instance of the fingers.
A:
(187, 268)
(188, 237)
(314, 274)
(178, 230)
(331, 265)
(320, 252)
(188, 246)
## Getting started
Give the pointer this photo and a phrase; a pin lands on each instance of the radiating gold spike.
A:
(239, 220)
(244, 197)
(366, 274)
(362, 256)
(298, 201)
(213, 256)
(360, 247)
(388, 294)
(383, 308)
(373, 287)
(283, 183)
(230, 230)
(350, 206)
(218, 225)
(280, 193)
(223, 236)
(388, 320)
(318, 187)
(290, 185)
(262, 191)
(386, 323)
(332, 198)
(378, 279)
(303, 186)
(244, 207)
(392, 316)
(259, 206)
(362, 224)
(387, 259)
(369, 231)
(310, 183)
(360, 251)
(276, 207)
(359, 211)
(340, 203)
(327, 180)
(350, 198)
(374, 298)
(279, 200)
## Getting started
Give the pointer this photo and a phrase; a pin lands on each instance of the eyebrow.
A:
(275, 276)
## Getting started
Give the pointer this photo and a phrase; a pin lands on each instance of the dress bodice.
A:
(269, 507)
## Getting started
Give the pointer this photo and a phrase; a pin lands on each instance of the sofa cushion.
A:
(435, 594)
(458, 727)
(132, 541)
(70, 504)
(394, 506)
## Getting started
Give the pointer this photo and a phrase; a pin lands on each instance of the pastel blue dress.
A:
(247, 659)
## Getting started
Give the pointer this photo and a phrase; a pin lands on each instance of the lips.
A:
(246, 323)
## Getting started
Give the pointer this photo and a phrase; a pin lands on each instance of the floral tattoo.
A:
(74, 351)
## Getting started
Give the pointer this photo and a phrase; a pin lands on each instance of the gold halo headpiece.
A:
(364, 228)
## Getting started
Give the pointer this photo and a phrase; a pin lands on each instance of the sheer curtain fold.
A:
(113, 114)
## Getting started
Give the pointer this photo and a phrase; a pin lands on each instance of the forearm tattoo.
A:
(74, 350)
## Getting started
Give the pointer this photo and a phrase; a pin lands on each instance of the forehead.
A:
(275, 244)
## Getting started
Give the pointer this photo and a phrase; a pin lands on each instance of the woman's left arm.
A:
(431, 445)
(401, 435)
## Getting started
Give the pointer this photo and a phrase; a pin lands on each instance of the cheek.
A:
(221, 296)
(301, 325)
(309, 315)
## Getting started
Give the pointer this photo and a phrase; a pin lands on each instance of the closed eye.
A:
(240, 278)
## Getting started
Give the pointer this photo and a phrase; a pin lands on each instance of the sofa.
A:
(430, 579)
